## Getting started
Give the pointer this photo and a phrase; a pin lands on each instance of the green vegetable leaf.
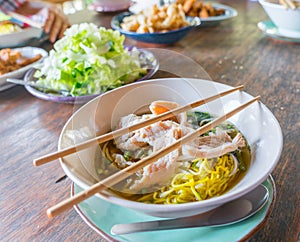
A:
(90, 60)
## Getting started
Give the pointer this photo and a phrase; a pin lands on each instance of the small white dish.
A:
(20, 38)
(109, 6)
(271, 30)
(286, 20)
(19, 73)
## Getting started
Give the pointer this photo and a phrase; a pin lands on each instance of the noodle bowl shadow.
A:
(256, 122)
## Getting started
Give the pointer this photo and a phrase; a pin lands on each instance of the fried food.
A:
(194, 8)
(7, 27)
(11, 60)
(166, 18)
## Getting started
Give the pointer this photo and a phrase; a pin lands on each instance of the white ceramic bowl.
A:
(20, 38)
(109, 5)
(287, 20)
(256, 122)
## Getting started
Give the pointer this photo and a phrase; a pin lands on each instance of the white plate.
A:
(271, 30)
(19, 73)
(229, 13)
(20, 38)
(101, 216)
(109, 6)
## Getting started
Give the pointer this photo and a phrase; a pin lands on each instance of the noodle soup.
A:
(257, 124)
(204, 168)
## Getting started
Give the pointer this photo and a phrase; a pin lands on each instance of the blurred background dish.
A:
(286, 19)
(8, 27)
(271, 30)
(229, 13)
(21, 38)
(15, 33)
(140, 5)
(27, 52)
(147, 59)
(164, 38)
(220, 12)
(109, 6)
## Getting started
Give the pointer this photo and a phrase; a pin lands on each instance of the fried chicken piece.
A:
(11, 60)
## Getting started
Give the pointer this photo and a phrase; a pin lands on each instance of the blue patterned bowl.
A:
(165, 38)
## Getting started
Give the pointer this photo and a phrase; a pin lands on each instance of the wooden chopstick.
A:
(291, 4)
(284, 4)
(288, 4)
(106, 137)
(25, 19)
(123, 174)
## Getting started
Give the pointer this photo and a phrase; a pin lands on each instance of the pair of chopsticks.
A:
(288, 4)
(123, 174)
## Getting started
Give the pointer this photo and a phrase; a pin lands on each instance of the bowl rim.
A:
(214, 201)
(274, 5)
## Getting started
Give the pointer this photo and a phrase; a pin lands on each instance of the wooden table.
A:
(234, 52)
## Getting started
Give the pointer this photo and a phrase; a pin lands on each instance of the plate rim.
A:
(277, 35)
(232, 13)
(269, 208)
(3, 83)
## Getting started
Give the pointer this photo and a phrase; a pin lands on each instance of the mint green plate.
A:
(271, 30)
(101, 216)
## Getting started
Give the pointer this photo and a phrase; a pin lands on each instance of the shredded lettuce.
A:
(89, 60)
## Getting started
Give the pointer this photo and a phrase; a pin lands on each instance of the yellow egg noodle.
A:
(193, 185)
(194, 179)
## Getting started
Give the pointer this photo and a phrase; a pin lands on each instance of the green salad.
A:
(89, 60)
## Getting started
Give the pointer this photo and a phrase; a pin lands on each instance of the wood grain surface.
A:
(234, 52)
